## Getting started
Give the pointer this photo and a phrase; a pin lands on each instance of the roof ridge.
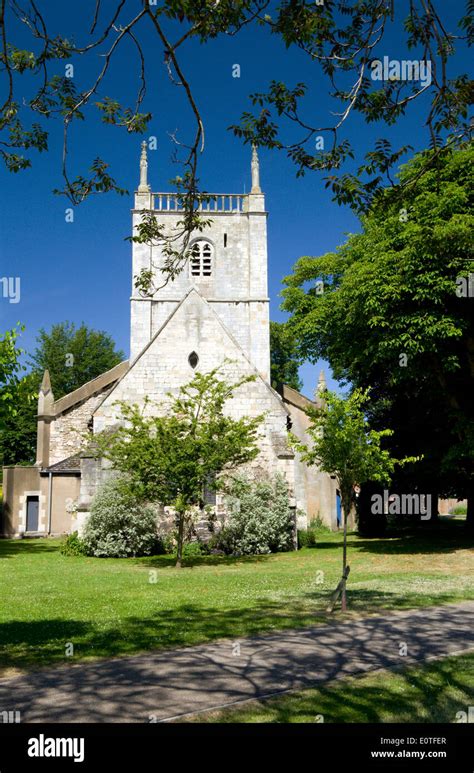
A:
(89, 388)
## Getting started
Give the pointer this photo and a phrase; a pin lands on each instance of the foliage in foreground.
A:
(338, 44)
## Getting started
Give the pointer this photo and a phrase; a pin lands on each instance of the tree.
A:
(344, 39)
(343, 445)
(170, 459)
(73, 356)
(18, 435)
(284, 357)
(10, 367)
(396, 315)
(17, 403)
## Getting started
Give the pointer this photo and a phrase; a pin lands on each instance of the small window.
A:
(200, 264)
(225, 240)
(193, 359)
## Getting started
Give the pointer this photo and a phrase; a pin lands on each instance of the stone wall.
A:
(18, 483)
(64, 494)
(67, 430)
(164, 367)
(237, 288)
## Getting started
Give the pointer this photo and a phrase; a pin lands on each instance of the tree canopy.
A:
(73, 356)
(10, 367)
(284, 357)
(395, 314)
(18, 435)
(343, 41)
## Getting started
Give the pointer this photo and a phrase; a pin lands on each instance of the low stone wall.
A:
(19, 483)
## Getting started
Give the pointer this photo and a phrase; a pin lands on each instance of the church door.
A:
(32, 510)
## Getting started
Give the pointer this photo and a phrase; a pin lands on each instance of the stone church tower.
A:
(228, 268)
(214, 314)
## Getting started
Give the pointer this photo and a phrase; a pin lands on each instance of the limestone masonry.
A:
(215, 313)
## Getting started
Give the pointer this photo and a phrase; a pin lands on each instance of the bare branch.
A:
(96, 16)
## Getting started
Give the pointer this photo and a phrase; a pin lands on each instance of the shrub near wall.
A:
(307, 538)
(119, 525)
(73, 545)
(260, 518)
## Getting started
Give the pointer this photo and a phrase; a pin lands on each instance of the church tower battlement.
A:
(228, 266)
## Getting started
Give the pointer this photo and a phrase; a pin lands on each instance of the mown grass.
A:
(109, 607)
(432, 692)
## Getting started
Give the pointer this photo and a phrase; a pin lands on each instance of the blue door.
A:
(338, 509)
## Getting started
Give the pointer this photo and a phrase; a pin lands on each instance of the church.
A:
(215, 313)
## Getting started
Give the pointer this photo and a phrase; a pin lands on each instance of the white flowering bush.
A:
(119, 525)
(260, 519)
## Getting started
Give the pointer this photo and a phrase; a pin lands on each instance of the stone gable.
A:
(164, 367)
(69, 428)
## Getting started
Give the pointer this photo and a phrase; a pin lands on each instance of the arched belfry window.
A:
(200, 264)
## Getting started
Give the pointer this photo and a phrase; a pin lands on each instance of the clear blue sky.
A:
(82, 271)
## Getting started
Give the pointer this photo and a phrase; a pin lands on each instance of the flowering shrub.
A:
(119, 525)
(260, 518)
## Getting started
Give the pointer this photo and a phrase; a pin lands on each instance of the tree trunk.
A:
(470, 511)
(370, 524)
(179, 552)
(433, 520)
(346, 506)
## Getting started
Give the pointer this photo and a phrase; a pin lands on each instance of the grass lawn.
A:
(109, 607)
(433, 692)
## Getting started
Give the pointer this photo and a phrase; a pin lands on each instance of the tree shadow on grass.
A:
(415, 543)
(190, 679)
(408, 541)
(169, 561)
(43, 642)
(432, 693)
(15, 547)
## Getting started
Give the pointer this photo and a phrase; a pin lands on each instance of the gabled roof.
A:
(150, 343)
(92, 387)
(294, 397)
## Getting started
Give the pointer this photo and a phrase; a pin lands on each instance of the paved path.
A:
(167, 684)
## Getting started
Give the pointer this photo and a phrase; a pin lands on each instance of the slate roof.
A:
(71, 464)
